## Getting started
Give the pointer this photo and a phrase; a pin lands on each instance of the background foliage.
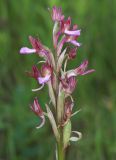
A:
(95, 94)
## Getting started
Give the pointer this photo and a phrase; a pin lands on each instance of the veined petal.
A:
(45, 79)
(57, 14)
(60, 45)
(75, 43)
(53, 122)
(89, 71)
(81, 70)
(61, 59)
(26, 50)
(73, 33)
(71, 73)
(36, 108)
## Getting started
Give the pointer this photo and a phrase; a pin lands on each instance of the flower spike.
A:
(60, 81)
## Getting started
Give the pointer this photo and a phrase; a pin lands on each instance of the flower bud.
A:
(72, 53)
(36, 108)
(68, 109)
(57, 14)
(34, 73)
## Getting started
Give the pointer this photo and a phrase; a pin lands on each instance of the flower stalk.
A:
(60, 149)
(60, 81)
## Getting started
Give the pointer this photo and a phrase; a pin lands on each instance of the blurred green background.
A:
(95, 93)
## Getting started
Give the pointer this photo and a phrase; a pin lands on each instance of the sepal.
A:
(51, 94)
(53, 123)
(77, 137)
(66, 133)
(42, 122)
(60, 105)
(61, 59)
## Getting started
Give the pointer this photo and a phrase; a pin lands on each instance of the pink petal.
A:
(71, 73)
(26, 50)
(73, 33)
(75, 43)
(83, 65)
(43, 80)
(89, 71)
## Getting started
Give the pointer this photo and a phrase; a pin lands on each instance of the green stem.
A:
(60, 149)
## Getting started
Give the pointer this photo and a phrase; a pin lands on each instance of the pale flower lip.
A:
(73, 32)
(43, 80)
(26, 50)
(75, 43)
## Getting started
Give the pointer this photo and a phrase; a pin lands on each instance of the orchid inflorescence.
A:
(53, 73)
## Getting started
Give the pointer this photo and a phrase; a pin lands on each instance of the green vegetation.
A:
(95, 93)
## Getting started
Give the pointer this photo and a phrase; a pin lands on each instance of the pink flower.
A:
(72, 53)
(70, 36)
(65, 25)
(38, 48)
(65, 28)
(68, 84)
(35, 73)
(53, 73)
(57, 14)
(42, 76)
(81, 70)
(36, 108)
(46, 73)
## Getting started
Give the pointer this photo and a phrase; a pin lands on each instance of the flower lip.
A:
(46, 73)
(45, 79)
(73, 32)
(26, 50)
